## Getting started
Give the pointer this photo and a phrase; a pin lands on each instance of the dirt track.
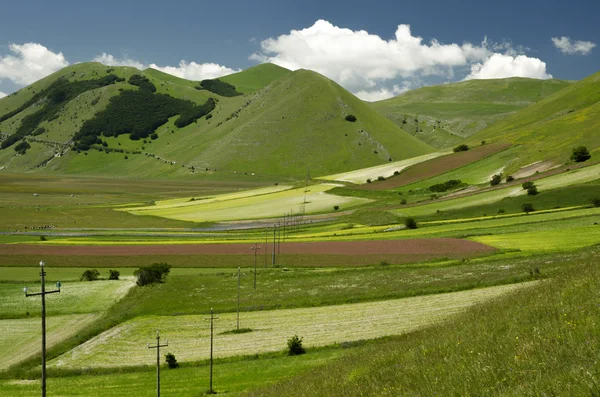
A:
(430, 247)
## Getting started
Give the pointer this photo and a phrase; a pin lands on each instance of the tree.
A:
(155, 273)
(295, 346)
(90, 275)
(113, 274)
(171, 360)
(351, 118)
(595, 201)
(410, 223)
(532, 191)
(461, 148)
(580, 154)
(496, 179)
(527, 207)
(527, 185)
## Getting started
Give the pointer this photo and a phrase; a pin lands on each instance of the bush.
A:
(528, 185)
(448, 185)
(295, 346)
(381, 178)
(532, 191)
(369, 180)
(22, 147)
(410, 223)
(461, 148)
(336, 207)
(155, 273)
(90, 275)
(510, 178)
(580, 154)
(218, 87)
(171, 360)
(154, 136)
(351, 118)
(43, 238)
(595, 201)
(496, 179)
(113, 274)
(403, 201)
(527, 207)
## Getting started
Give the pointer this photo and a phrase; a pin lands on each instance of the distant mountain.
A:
(99, 120)
(445, 115)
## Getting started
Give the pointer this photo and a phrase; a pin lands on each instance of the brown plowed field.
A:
(436, 166)
(292, 253)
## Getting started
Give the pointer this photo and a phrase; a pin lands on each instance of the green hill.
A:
(444, 115)
(552, 127)
(295, 123)
(256, 77)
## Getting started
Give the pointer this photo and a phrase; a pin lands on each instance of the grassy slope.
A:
(256, 77)
(463, 108)
(549, 129)
(284, 129)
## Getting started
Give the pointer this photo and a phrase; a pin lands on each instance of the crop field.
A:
(21, 338)
(74, 298)
(436, 166)
(385, 170)
(319, 326)
(313, 198)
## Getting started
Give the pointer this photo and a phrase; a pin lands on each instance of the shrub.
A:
(410, 223)
(43, 238)
(501, 210)
(155, 273)
(403, 201)
(218, 87)
(532, 191)
(461, 148)
(510, 178)
(448, 185)
(90, 275)
(369, 180)
(528, 185)
(336, 207)
(351, 118)
(22, 147)
(171, 360)
(113, 274)
(496, 179)
(154, 136)
(295, 346)
(527, 207)
(595, 201)
(381, 178)
(580, 154)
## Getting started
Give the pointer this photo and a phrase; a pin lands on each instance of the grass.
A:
(537, 341)
(320, 326)
(21, 338)
(230, 377)
(255, 78)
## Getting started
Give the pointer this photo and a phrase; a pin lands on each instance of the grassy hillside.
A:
(286, 128)
(256, 77)
(446, 114)
(549, 129)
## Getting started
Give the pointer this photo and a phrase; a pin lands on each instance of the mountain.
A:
(445, 115)
(98, 120)
(551, 128)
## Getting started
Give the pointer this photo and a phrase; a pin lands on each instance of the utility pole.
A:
(212, 318)
(266, 237)
(157, 347)
(255, 248)
(238, 302)
(43, 295)
(273, 257)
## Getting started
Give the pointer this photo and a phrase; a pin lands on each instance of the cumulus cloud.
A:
(361, 61)
(501, 66)
(573, 47)
(185, 70)
(30, 62)
(2, 94)
(358, 59)
(382, 93)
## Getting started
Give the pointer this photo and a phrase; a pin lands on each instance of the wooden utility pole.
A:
(212, 319)
(255, 248)
(157, 347)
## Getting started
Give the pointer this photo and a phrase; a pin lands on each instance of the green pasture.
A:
(74, 297)
(313, 198)
(189, 335)
(21, 338)
(229, 377)
(31, 274)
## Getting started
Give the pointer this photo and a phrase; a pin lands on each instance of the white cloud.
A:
(501, 66)
(576, 47)
(382, 93)
(358, 59)
(30, 62)
(2, 94)
(185, 70)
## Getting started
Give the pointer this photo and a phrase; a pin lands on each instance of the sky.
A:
(376, 49)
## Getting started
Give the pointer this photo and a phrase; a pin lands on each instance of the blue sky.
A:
(353, 42)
